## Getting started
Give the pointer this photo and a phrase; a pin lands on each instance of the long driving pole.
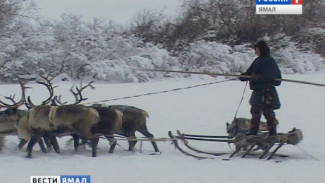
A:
(229, 75)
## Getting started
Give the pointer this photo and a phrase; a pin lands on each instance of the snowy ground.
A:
(202, 110)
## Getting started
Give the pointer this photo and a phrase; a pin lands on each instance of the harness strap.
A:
(52, 114)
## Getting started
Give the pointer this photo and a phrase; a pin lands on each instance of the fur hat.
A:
(264, 48)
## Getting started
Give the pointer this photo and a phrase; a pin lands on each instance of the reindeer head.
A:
(11, 110)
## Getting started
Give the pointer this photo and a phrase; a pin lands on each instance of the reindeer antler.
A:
(49, 85)
(57, 100)
(12, 97)
(77, 95)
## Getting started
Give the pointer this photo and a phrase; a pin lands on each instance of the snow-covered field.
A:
(201, 110)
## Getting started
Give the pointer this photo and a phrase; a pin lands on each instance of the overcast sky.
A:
(119, 11)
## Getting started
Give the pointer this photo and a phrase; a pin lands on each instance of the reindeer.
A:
(45, 120)
(10, 117)
(48, 138)
(11, 114)
(8, 123)
(110, 122)
(134, 119)
(110, 119)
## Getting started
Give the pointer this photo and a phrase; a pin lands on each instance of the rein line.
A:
(241, 100)
(159, 92)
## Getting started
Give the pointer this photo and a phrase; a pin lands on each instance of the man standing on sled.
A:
(264, 99)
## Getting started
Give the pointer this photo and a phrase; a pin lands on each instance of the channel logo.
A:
(280, 2)
(61, 179)
(279, 7)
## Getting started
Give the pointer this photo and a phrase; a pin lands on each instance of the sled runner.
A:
(243, 143)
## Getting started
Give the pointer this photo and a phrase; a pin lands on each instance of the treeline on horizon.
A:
(29, 44)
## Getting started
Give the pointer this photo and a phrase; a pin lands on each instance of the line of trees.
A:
(228, 21)
(196, 39)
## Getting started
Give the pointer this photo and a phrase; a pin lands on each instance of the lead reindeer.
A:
(45, 120)
(110, 119)
(10, 117)
(49, 138)
(47, 82)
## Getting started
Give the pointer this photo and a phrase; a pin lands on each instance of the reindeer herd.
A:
(52, 118)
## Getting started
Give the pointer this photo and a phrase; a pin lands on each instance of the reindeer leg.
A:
(113, 143)
(83, 141)
(94, 144)
(31, 144)
(76, 139)
(132, 142)
(55, 143)
(146, 133)
(41, 145)
(22, 143)
(47, 142)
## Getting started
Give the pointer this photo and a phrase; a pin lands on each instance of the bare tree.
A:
(9, 10)
(149, 25)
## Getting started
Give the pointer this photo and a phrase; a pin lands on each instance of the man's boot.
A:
(272, 130)
(253, 127)
(271, 126)
(255, 121)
